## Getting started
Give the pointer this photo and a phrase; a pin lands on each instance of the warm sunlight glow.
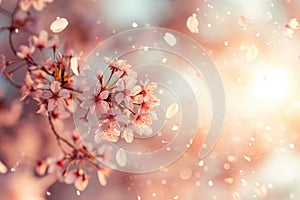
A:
(271, 85)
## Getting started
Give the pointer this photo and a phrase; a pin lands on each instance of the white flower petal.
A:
(51, 104)
(192, 24)
(135, 90)
(244, 20)
(70, 178)
(47, 94)
(74, 66)
(128, 136)
(101, 177)
(55, 86)
(236, 196)
(172, 110)
(104, 107)
(61, 104)
(59, 25)
(289, 33)
(294, 24)
(3, 168)
(121, 157)
(64, 93)
(81, 183)
(119, 97)
(170, 39)
(104, 94)
(43, 35)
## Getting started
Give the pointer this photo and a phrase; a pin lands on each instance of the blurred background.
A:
(257, 156)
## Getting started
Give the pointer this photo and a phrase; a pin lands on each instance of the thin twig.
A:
(72, 89)
(58, 137)
(125, 107)
(111, 74)
(11, 42)
(115, 82)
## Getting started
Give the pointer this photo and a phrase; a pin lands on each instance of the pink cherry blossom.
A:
(148, 89)
(100, 76)
(28, 87)
(149, 99)
(115, 64)
(56, 164)
(56, 96)
(126, 88)
(113, 115)
(120, 67)
(102, 173)
(77, 177)
(42, 41)
(39, 5)
(41, 167)
(128, 132)
(143, 119)
(110, 124)
(25, 51)
(43, 108)
(95, 100)
(111, 132)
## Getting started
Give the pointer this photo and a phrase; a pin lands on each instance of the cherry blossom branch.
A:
(123, 104)
(73, 89)
(58, 137)
(10, 40)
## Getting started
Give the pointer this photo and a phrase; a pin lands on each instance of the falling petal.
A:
(293, 24)
(229, 180)
(74, 65)
(170, 39)
(81, 183)
(192, 24)
(247, 158)
(174, 128)
(101, 177)
(128, 136)
(236, 196)
(251, 53)
(260, 189)
(59, 25)
(289, 33)
(41, 168)
(121, 157)
(3, 168)
(244, 20)
(172, 110)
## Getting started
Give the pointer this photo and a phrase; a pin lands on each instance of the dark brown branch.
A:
(11, 42)
(58, 137)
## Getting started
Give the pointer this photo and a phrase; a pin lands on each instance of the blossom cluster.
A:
(123, 104)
